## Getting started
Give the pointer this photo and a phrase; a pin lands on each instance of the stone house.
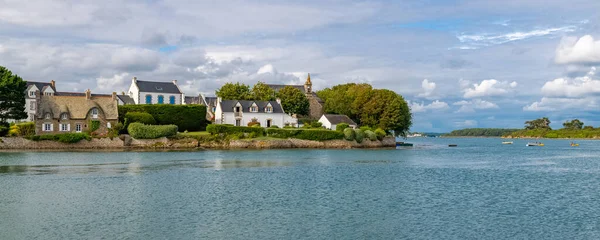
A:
(75, 112)
(330, 121)
(242, 112)
(146, 92)
(316, 103)
(45, 89)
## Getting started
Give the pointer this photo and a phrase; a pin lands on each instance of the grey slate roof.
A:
(210, 101)
(126, 99)
(278, 87)
(158, 87)
(192, 100)
(78, 94)
(228, 105)
(40, 85)
(337, 119)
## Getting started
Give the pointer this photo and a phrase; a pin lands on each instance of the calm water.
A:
(480, 190)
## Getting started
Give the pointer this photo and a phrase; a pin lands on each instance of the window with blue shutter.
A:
(148, 99)
(161, 99)
(172, 99)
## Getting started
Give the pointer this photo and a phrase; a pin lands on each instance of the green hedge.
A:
(142, 131)
(140, 117)
(229, 129)
(341, 127)
(306, 134)
(380, 134)
(371, 135)
(359, 135)
(63, 138)
(349, 134)
(186, 117)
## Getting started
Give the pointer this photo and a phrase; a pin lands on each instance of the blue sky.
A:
(458, 63)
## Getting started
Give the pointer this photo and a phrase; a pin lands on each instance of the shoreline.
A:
(125, 143)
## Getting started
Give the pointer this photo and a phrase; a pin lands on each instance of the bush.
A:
(252, 124)
(94, 125)
(142, 131)
(186, 117)
(359, 135)
(315, 135)
(341, 127)
(229, 129)
(22, 129)
(371, 135)
(316, 125)
(349, 134)
(3, 130)
(140, 117)
(366, 128)
(63, 138)
(273, 126)
(380, 134)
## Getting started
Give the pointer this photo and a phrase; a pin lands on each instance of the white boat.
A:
(535, 144)
(507, 142)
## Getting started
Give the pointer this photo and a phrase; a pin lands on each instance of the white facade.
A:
(328, 125)
(154, 97)
(243, 117)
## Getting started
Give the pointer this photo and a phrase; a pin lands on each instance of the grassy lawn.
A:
(202, 133)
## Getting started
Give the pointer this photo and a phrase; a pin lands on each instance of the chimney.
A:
(278, 100)
(218, 99)
(53, 84)
(37, 94)
(114, 96)
(134, 80)
(175, 82)
(88, 94)
(123, 93)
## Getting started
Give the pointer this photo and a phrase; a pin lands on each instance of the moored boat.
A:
(403, 144)
(507, 142)
(536, 144)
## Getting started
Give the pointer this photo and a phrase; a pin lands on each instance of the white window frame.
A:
(31, 93)
(64, 127)
(47, 127)
(269, 109)
(108, 125)
(78, 127)
(253, 109)
(94, 113)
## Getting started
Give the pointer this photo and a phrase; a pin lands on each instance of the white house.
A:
(330, 121)
(45, 89)
(146, 92)
(241, 112)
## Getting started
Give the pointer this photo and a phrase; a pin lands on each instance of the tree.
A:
(574, 124)
(293, 101)
(237, 91)
(262, 92)
(540, 123)
(12, 96)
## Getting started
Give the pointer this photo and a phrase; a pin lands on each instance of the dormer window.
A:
(64, 116)
(94, 113)
(269, 109)
(48, 116)
(253, 109)
(32, 93)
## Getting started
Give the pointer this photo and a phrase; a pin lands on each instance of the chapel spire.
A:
(308, 85)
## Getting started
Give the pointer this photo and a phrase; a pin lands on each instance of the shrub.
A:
(366, 128)
(22, 129)
(315, 135)
(341, 127)
(359, 135)
(316, 125)
(229, 129)
(252, 124)
(142, 131)
(288, 126)
(349, 134)
(186, 117)
(371, 135)
(94, 125)
(3, 129)
(380, 134)
(63, 138)
(273, 126)
(140, 117)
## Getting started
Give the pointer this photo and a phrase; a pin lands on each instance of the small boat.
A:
(536, 144)
(403, 144)
(507, 142)
(452, 145)
(574, 144)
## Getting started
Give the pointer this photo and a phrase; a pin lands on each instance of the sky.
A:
(459, 64)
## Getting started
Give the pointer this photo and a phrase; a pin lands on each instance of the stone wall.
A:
(388, 142)
(95, 143)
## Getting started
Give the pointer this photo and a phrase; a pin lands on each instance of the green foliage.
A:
(349, 134)
(480, 132)
(140, 117)
(142, 131)
(22, 129)
(341, 127)
(573, 124)
(359, 135)
(371, 135)
(12, 97)
(314, 135)
(540, 123)
(229, 129)
(4, 128)
(262, 92)
(94, 125)
(560, 133)
(63, 138)
(237, 91)
(316, 125)
(254, 123)
(588, 127)
(116, 129)
(186, 117)
(273, 126)
(380, 133)
(365, 128)
(367, 106)
(294, 101)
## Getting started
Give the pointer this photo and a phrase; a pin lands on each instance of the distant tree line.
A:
(540, 128)
(480, 132)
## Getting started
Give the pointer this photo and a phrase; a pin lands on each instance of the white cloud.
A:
(470, 106)
(428, 88)
(493, 39)
(118, 81)
(267, 69)
(584, 50)
(466, 124)
(558, 104)
(573, 88)
(489, 88)
(421, 107)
